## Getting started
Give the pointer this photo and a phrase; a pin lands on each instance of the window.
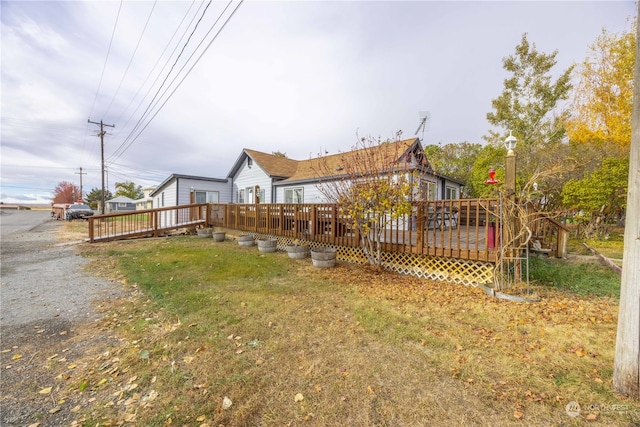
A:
(241, 196)
(249, 162)
(162, 205)
(206, 197)
(122, 204)
(451, 193)
(428, 190)
(293, 195)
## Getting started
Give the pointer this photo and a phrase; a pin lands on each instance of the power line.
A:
(126, 71)
(124, 148)
(154, 67)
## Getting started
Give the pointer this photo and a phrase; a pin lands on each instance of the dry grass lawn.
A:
(284, 343)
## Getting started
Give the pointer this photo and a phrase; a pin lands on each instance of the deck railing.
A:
(149, 222)
(464, 228)
(449, 228)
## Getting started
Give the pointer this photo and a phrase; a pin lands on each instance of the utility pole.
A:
(626, 363)
(81, 173)
(102, 132)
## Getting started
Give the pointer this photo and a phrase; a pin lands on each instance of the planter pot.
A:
(246, 240)
(218, 236)
(204, 232)
(297, 251)
(267, 245)
(323, 257)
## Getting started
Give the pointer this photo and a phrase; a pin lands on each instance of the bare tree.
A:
(372, 186)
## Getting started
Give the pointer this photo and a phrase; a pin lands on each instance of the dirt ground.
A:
(49, 321)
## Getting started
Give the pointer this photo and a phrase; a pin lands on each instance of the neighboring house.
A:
(120, 204)
(280, 180)
(145, 202)
(179, 190)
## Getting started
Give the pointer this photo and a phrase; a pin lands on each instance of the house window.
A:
(162, 203)
(249, 192)
(451, 193)
(428, 190)
(206, 197)
(241, 196)
(293, 195)
(122, 204)
(249, 162)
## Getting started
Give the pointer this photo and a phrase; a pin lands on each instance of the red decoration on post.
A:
(492, 177)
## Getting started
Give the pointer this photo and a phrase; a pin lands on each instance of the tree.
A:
(603, 98)
(529, 108)
(279, 154)
(375, 189)
(599, 196)
(129, 189)
(94, 198)
(454, 160)
(600, 131)
(66, 192)
(626, 367)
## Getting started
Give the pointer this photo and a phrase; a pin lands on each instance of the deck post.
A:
(91, 231)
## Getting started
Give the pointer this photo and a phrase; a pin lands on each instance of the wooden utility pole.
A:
(81, 193)
(102, 132)
(626, 365)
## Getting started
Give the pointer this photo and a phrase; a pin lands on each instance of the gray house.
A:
(179, 190)
(120, 204)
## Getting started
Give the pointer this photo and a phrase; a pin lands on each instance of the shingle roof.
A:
(274, 166)
(328, 166)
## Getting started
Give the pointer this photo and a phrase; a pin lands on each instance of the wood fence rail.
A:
(463, 228)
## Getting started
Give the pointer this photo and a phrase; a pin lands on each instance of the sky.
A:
(187, 85)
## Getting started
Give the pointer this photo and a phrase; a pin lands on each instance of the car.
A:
(78, 212)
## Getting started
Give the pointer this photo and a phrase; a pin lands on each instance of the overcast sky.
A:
(299, 77)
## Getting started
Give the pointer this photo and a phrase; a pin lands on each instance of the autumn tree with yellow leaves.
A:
(599, 131)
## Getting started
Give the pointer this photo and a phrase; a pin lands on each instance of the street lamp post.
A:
(510, 167)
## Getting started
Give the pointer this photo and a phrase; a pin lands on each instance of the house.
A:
(120, 204)
(146, 202)
(275, 179)
(179, 190)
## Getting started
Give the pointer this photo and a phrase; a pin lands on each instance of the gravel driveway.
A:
(45, 301)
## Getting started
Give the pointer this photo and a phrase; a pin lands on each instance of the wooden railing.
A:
(150, 222)
(463, 228)
(450, 228)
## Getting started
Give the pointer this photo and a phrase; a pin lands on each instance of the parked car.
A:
(78, 212)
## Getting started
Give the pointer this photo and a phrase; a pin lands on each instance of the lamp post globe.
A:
(510, 144)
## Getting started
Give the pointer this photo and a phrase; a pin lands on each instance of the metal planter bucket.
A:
(267, 245)
(246, 240)
(204, 232)
(297, 251)
(218, 236)
(323, 257)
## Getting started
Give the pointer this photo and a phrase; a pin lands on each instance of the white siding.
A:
(311, 193)
(223, 188)
(249, 178)
(169, 196)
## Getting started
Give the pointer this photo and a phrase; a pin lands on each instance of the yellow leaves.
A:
(16, 357)
(518, 414)
(298, 398)
(46, 390)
